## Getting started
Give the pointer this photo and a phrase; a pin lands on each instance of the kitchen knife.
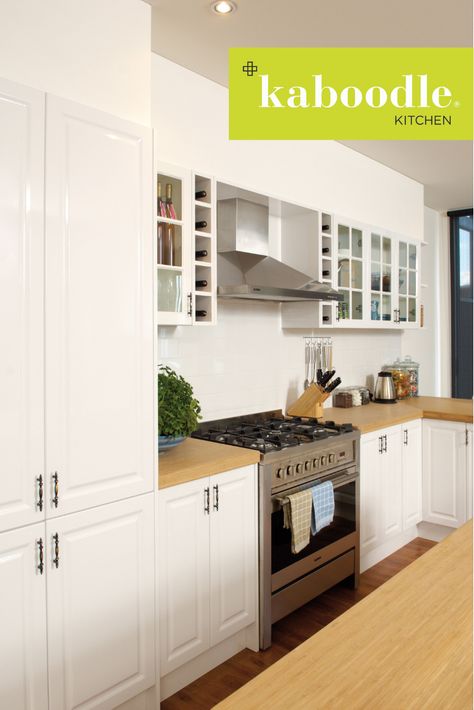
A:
(326, 377)
(319, 375)
(333, 385)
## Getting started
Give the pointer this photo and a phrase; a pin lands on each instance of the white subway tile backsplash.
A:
(247, 363)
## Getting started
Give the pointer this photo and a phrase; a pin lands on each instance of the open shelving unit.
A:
(204, 239)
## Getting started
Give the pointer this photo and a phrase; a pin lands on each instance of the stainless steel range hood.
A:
(245, 269)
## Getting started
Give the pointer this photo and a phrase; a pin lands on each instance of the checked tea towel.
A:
(323, 506)
(297, 517)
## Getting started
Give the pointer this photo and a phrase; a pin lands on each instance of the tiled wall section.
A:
(247, 363)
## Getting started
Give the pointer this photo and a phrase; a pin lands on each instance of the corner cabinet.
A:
(447, 472)
(208, 563)
(185, 246)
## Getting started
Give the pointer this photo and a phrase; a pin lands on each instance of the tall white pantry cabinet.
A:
(76, 405)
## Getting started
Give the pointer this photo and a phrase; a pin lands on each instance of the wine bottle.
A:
(170, 211)
(168, 244)
(201, 253)
(326, 272)
(326, 319)
(159, 242)
(161, 207)
(201, 314)
(325, 250)
(326, 227)
(200, 195)
(201, 284)
(201, 224)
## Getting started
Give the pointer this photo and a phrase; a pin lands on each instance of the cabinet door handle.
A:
(40, 546)
(385, 443)
(215, 497)
(380, 445)
(56, 550)
(405, 437)
(190, 304)
(55, 483)
(39, 502)
(207, 507)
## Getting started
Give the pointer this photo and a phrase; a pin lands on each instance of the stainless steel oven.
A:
(288, 580)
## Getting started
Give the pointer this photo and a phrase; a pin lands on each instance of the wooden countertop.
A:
(372, 416)
(195, 459)
(453, 410)
(407, 645)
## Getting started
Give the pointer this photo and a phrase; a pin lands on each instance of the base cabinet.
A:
(447, 478)
(208, 563)
(23, 653)
(77, 609)
(390, 483)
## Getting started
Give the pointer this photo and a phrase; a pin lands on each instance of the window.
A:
(461, 303)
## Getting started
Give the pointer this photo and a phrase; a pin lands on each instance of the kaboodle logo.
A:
(351, 93)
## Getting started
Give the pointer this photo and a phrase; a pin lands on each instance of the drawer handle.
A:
(317, 558)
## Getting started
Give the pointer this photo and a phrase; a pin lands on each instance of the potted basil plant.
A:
(178, 410)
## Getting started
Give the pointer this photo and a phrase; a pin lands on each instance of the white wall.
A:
(96, 52)
(189, 113)
(247, 362)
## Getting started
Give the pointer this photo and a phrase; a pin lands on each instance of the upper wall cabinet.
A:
(185, 246)
(377, 273)
(21, 304)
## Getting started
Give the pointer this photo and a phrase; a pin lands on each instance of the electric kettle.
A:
(385, 389)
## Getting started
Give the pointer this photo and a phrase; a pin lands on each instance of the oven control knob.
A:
(332, 458)
(315, 463)
(299, 468)
(307, 465)
(324, 460)
(281, 473)
(289, 470)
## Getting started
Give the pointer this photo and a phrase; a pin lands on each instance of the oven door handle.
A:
(339, 479)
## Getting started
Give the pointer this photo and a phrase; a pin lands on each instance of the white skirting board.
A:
(148, 700)
(174, 681)
(430, 531)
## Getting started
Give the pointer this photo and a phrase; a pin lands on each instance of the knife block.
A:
(310, 404)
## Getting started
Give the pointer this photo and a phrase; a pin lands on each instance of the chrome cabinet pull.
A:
(215, 496)
(207, 505)
(405, 437)
(39, 502)
(40, 546)
(385, 443)
(55, 482)
(190, 304)
(56, 550)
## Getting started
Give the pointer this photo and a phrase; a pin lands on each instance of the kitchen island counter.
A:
(195, 459)
(406, 645)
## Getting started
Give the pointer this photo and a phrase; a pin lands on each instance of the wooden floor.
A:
(288, 633)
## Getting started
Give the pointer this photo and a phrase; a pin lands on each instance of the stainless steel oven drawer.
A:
(305, 589)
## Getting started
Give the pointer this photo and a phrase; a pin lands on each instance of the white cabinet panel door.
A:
(23, 657)
(370, 491)
(21, 303)
(99, 304)
(412, 467)
(392, 482)
(183, 573)
(233, 552)
(444, 472)
(101, 605)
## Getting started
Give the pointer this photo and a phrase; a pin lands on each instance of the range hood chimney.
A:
(245, 269)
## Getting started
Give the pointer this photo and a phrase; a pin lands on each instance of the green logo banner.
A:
(350, 93)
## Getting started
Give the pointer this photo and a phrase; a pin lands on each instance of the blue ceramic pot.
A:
(167, 442)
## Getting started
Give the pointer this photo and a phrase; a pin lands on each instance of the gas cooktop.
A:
(269, 431)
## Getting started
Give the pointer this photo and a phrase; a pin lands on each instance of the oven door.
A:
(330, 542)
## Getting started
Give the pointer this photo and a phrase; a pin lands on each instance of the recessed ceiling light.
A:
(224, 7)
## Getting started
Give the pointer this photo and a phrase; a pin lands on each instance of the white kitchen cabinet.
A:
(408, 284)
(101, 605)
(469, 471)
(350, 273)
(445, 472)
(21, 304)
(99, 319)
(412, 472)
(208, 563)
(390, 483)
(184, 572)
(23, 655)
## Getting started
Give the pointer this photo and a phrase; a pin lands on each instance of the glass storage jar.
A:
(405, 375)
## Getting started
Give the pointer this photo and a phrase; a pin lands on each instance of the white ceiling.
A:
(190, 34)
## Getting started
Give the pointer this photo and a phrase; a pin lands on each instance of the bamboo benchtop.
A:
(195, 459)
(407, 645)
(453, 410)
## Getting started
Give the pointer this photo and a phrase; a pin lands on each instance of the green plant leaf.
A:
(178, 410)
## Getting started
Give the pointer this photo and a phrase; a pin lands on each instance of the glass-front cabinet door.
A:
(172, 235)
(350, 273)
(408, 284)
(382, 301)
